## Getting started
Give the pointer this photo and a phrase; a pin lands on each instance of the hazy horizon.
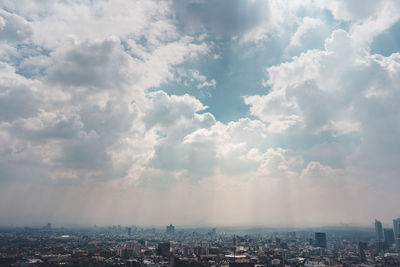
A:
(194, 112)
(220, 228)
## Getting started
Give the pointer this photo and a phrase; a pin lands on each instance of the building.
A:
(396, 229)
(378, 230)
(129, 250)
(163, 249)
(275, 262)
(292, 235)
(170, 229)
(198, 251)
(320, 240)
(363, 245)
(388, 236)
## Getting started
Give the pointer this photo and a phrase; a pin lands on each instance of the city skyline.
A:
(230, 227)
(200, 112)
(116, 245)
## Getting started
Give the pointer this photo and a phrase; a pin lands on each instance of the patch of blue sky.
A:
(24, 52)
(387, 42)
(315, 37)
(238, 70)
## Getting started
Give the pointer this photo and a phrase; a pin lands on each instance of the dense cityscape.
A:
(225, 246)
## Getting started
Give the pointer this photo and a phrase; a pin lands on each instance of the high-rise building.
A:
(163, 249)
(378, 230)
(388, 236)
(128, 250)
(396, 229)
(170, 229)
(214, 231)
(320, 240)
(363, 257)
(292, 235)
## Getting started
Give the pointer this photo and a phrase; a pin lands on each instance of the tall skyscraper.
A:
(320, 240)
(389, 236)
(378, 230)
(396, 229)
(170, 229)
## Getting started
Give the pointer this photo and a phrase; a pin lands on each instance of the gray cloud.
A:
(13, 28)
(93, 64)
(340, 90)
(18, 97)
(224, 18)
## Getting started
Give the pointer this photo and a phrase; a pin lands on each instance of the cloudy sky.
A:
(199, 112)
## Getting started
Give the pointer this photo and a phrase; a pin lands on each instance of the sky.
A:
(199, 112)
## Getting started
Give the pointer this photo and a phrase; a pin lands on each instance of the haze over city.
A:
(279, 113)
